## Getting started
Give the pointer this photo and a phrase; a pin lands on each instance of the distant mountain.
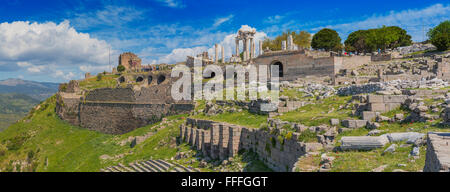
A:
(36, 90)
(14, 106)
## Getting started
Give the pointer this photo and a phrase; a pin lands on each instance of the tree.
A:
(302, 39)
(440, 36)
(326, 39)
(99, 76)
(380, 38)
(120, 68)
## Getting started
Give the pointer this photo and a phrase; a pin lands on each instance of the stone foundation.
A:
(438, 153)
(222, 140)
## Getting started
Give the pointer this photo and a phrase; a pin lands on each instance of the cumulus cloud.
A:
(45, 47)
(228, 43)
(415, 21)
(220, 21)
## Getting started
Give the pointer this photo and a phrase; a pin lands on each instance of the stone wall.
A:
(381, 57)
(120, 118)
(438, 153)
(222, 140)
(120, 110)
(349, 62)
(300, 64)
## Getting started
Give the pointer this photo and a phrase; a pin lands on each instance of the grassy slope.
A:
(317, 114)
(14, 107)
(69, 148)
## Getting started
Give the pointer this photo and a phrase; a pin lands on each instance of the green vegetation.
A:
(243, 118)
(319, 113)
(356, 161)
(120, 68)
(58, 146)
(366, 41)
(440, 36)
(302, 39)
(104, 82)
(326, 39)
(14, 107)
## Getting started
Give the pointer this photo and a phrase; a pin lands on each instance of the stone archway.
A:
(150, 79)
(161, 79)
(280, 68)
(139, 79)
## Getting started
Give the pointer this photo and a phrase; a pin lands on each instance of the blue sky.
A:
(58, 40)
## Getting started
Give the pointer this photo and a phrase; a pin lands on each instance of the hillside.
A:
(42, 142)
(13, 107)
(37, 90)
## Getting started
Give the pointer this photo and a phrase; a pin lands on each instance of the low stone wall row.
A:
(222, 140)
(438, 153)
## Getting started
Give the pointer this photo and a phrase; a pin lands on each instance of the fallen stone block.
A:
(378, 107)
(369, 115)
(363, 142)
(406, 136)
(350, 123)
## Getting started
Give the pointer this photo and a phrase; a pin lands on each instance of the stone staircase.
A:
(150, 166)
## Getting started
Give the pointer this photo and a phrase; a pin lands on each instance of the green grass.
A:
(243, 118)
(105, 82)
(70, 148)
(317, 114)
(364, 161)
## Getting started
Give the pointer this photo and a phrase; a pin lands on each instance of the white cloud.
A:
(274, 19)
(49, 46)
(220, 21)
(113, 16)
(415, 21)
(180, 54)
(61, 74)
(228, 42)
(173, 3)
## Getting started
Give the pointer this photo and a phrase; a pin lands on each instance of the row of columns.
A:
(249, 48)
(216, 57)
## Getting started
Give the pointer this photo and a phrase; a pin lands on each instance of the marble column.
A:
(245, 49)
(283, 45)
(261, 47)
(253, 49)
(223, 53)
(290, 42)
(216, 51)
(237, 47)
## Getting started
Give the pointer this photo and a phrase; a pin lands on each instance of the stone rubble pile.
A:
(319, 90)
(392, 87)
(415, 48)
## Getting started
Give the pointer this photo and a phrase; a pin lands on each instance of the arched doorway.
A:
(280, 68)
(139, 79)
(161, 79)
(150, 79)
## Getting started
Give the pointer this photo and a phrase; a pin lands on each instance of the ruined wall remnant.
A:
(120, 110)
(438, 153)
(222, 140)
(130, 61)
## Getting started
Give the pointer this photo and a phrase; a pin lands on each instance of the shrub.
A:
(307, 136)
(289, 135)
(440, 36)
(99, 77)
(120, 68)
(264, 126)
